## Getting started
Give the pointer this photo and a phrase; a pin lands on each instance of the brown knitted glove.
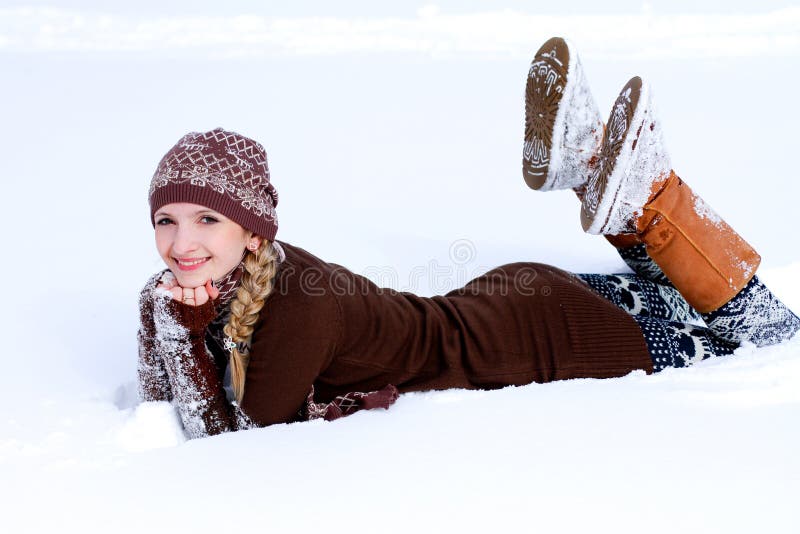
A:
(193, 377)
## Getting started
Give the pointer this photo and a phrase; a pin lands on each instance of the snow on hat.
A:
(221, 170)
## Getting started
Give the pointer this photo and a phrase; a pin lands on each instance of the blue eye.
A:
(208, 219)
(164, 221)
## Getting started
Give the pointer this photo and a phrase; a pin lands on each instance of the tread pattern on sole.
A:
(544, 90)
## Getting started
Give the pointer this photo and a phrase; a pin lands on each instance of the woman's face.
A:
(198, 243)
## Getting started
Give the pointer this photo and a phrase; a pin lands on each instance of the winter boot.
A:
(563, 127)
(623, 241)
(632, 188)
(620, 241)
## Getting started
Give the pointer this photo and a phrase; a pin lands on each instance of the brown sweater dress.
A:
(523, 322)
(326, 327)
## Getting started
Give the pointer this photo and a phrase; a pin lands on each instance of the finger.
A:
(188, 296)
(200, 296)
(177, 293)
(212, 291)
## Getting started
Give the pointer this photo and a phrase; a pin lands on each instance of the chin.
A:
(191, 281)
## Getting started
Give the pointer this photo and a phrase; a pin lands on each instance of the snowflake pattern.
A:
(224, 162)
(675, 344)
(755, 316)
(641, 263)
(640, 296)
(675, 333)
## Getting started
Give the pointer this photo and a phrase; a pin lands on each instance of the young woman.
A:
(243, 330)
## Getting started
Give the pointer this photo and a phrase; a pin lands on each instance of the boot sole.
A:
(632, 157)
(556, 94)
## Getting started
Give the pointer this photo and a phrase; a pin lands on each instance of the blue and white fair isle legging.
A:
(675, 333)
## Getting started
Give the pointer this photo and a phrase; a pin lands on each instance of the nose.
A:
(185, 240)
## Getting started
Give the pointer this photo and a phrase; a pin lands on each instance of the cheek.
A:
(163, 242)
(231, 248)
(236, 240)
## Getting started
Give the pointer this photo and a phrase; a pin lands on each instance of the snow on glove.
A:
(194, 380)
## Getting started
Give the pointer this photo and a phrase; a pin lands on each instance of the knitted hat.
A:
(221, 170)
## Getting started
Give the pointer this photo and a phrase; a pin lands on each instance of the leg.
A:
(755, 316)
(633, 189)
(637, 259)
(642, 297)
(676, 344)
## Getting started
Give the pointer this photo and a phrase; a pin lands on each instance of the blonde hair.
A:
(260, 268)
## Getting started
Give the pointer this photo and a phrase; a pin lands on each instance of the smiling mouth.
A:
(190, 264)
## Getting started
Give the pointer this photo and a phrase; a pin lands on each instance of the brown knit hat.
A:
(224, 171)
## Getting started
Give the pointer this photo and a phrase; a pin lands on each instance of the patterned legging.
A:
(675, 333)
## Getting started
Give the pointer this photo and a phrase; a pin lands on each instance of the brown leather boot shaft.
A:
(706, 260)
(622, 241)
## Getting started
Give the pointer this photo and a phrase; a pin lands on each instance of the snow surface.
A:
(398, 156)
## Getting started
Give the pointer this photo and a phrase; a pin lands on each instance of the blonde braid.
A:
(260, 268)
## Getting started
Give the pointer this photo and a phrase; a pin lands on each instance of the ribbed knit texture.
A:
(604, 344)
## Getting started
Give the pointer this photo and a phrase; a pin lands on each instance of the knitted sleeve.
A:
(153, 384)
(189, 367)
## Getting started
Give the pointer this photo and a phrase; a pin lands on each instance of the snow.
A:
(710, 449)
(400, 158)
(702, 208)
(643, 153)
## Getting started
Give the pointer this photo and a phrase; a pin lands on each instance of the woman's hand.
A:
(191, 296)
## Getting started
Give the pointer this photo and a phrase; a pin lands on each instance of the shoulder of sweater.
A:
(305, 286)
(303, 274)
(300, 257)
(315, 276)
